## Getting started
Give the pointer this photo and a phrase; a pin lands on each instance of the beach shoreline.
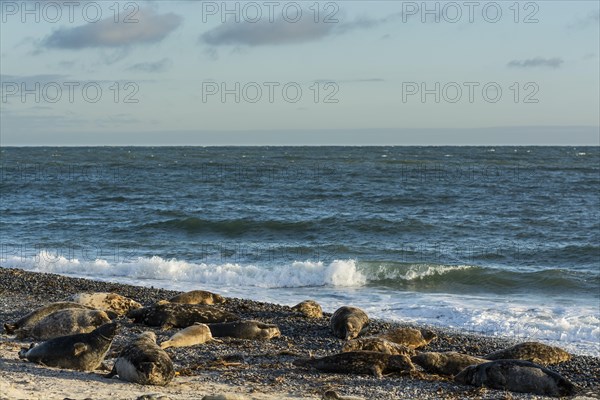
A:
(262, 370)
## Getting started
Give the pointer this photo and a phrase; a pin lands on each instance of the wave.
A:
(339, 273)
(242, 226)
(471, 278)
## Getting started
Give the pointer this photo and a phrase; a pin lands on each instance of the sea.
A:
(498, 241)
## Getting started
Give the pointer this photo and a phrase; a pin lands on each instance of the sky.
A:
(299, 73)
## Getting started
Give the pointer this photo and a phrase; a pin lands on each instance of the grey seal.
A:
(309, 308)
(359, 362)
(538, 353)
(197, 297)
(377, 344)
(69, 321)
(445, 363)
(516, 376)
(83, 352)
(190, 336)
(143, 362)
(33, 317)
(410, 337)
(179, 315)
(347, 322)
(112, 302)
(245, 330)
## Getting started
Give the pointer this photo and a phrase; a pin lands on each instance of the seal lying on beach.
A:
(197, 297)
(177, 315)
(516, 376)
(348, 322)
(245, 330)
(33, 317)
(190, 336)
(309, 308)
(359, 362)
(446, 363)
(378, 345)
(83, 352)
(64, 322)
(535, 352)
(410, 337)
(143, 362)
(112, 302)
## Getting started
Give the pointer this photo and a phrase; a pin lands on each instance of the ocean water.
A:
(498, 241)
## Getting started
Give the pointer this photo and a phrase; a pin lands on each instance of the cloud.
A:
(554, 62)
(592, 19)
(266, 33)
(152, 67)
(281, 32)
(149, 28)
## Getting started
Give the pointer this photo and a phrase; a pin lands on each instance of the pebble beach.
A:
(244, 369)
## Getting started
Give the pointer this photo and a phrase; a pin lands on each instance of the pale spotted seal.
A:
(410, 337)
(348, 322)
(377, 344)
(84, 351)
(113, 302)
(245, 330)
(359, 362)
(516, 376)
(190, 336)
(69, 321)
(309, 308)
(538, 353)
(197, 297)
(179, 315)
(33, 317)
(445, 363)
(143, 362)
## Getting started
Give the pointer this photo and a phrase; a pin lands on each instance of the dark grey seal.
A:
(359, 362)
(347, 322)
(69, 321)
(445, 363)
(178, 315)
(143, 362)
(245, 330)
(517, 376)
(36, 315)
(83, 352)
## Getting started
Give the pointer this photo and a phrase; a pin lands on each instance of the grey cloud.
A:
(152, 67)
(554, 62)
(281, 31)
(593, 18)
(150, 28)
(266, 33)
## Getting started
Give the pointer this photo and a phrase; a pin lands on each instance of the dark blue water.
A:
(378, 226)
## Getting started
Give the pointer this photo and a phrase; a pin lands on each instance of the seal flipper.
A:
(112, 373)
(79, 348)
(377, 371)
(10, 328)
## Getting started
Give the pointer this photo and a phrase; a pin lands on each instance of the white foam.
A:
(418, 271)
(298, 274)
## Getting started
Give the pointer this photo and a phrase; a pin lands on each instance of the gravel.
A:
(268, 364)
